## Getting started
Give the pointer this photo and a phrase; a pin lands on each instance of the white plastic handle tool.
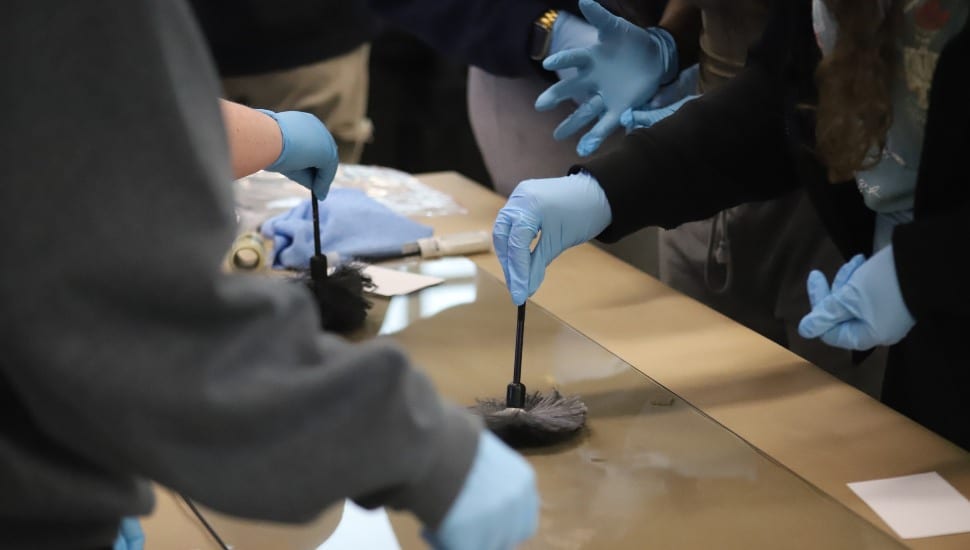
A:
(457, 244)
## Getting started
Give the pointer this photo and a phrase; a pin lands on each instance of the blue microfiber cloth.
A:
(351, 224)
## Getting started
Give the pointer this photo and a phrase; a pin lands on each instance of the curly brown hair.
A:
(854, 84)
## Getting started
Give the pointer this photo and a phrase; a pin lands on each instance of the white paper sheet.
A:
(916, 506)
(391, 282)
(360, 528)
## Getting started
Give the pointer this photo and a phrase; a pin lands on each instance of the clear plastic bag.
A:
(397, 190)
(266, 194)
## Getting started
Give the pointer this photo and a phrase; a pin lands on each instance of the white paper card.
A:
(915, 506)
(391, 282)
(360, 528)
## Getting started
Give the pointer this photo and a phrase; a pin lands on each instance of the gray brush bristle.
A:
(544, 420)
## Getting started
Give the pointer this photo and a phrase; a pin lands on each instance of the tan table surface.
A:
(749, 391)
(823, 430)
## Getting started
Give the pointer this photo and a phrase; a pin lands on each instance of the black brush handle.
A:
(317, 248)
(318, 263)
(515, 394)
(519, 334)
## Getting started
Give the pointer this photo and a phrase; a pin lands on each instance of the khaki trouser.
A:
(334, 90)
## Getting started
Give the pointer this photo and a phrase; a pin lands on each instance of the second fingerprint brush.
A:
(528, 420)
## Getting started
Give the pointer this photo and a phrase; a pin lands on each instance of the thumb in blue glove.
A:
(632, 119)
(864, 307)
(130, 535)
(498, 505)
(624, 70)
(309, 155)
(570, 32)
(567, 211)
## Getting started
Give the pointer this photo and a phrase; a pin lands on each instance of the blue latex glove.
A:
(570, 32)
(621, 72)
(309, 155)
(686, 84)
(498, 506)
(351, 224)
(568, 211)
(632, 119)
(863, 309)
(130, 535)
(666, 101)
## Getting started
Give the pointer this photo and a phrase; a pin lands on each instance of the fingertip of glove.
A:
(560, 134)
(550, 61)
(626, 117)
(806, 327)
(587, 146)
(815, 277)
(543, 103)
(585, 5)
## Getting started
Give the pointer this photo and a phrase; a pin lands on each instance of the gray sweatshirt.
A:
(125, 353)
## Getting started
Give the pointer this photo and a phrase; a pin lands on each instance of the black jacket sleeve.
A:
(491, 34)
(929, 251)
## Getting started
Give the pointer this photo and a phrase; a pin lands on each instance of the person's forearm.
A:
(683, 20)
(255, 141)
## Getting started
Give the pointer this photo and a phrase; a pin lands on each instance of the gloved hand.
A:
(863, 309)
(633, 119)
(498, 506)
(309, 155)
(665, 102)
(686, 84)
(130, 535)
(569, 211)
(570, 32)
(623, 71)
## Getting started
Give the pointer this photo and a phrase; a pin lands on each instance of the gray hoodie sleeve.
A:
(122, 337)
